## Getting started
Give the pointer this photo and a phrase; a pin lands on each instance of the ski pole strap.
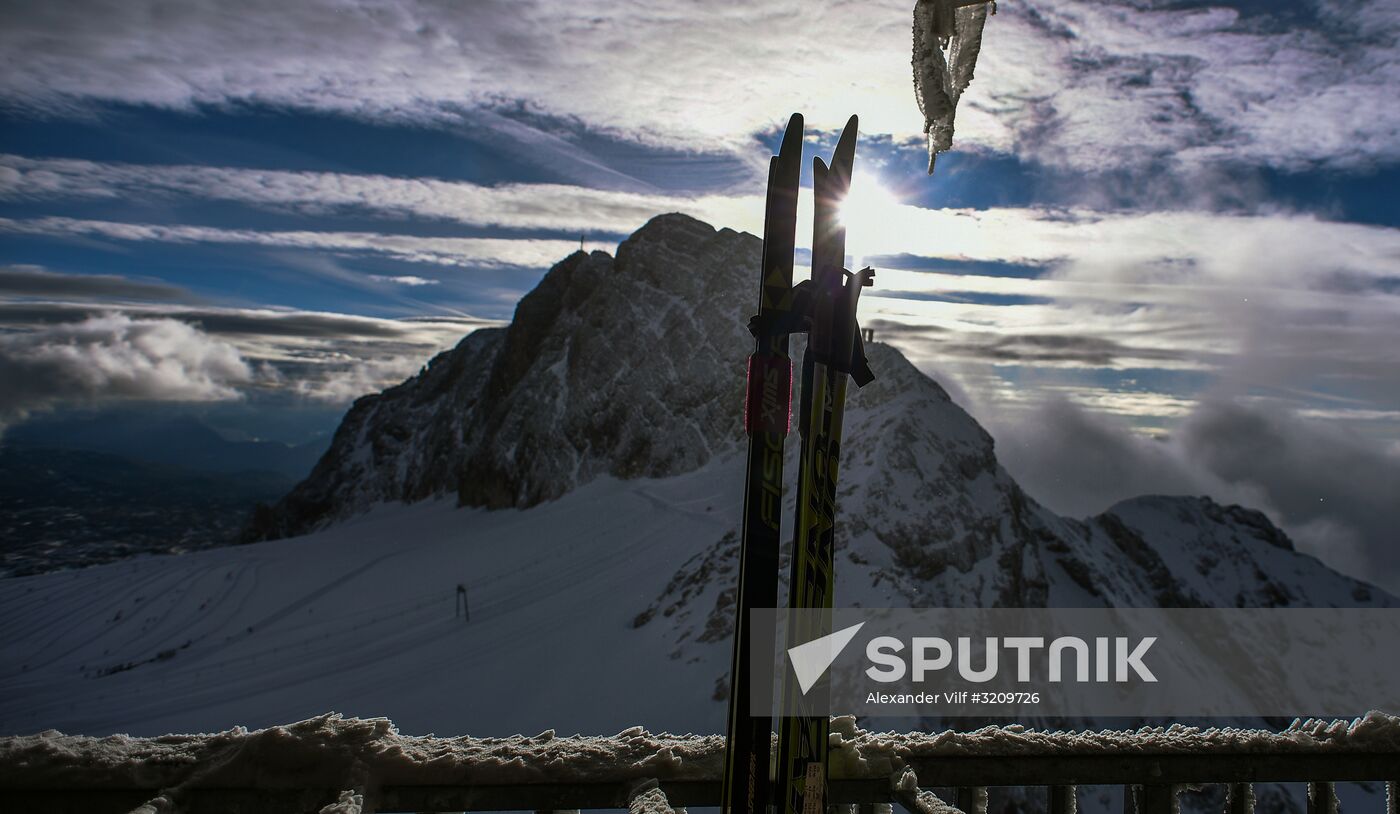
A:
(768, 402)
(792, 317)
(859, 366)
(848, 329)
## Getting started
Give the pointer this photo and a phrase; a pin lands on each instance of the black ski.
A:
(833, 351)
(767, 413)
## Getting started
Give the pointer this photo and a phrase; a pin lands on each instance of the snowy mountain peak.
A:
(624, 366)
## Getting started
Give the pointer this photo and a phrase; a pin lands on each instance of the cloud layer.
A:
(1269, 300)
(442, 251)
(1333, 490)
(64, 351)
(551, 207)
(36, 281)
(115, 357)
(1080, 83)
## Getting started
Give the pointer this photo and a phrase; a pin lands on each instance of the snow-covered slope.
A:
(361, 619)
(927, 517)
(603, 426)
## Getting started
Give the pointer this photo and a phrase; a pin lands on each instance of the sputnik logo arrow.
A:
(811, 660)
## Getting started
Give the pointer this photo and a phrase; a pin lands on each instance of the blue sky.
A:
(1166, 226)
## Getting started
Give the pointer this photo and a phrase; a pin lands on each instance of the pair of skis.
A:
(824, 308)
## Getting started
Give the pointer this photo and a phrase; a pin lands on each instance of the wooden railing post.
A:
(1063, 800)
(1239, 798)
(1157, 798)
(1322, 798)
(971, 799)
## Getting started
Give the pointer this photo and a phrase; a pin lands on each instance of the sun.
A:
(869, 212)
(866, 197)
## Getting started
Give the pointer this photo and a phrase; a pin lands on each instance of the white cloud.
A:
(1087, 83)
(403, 279)
(554, 207)
(1270, 300)
(1140, 256)
(1094, 248)
(37, 281)
(235, 322)
(346, 382)
(1135, 247)
(57, 352)
(444, 251)
(1105, 84)
(115, 357)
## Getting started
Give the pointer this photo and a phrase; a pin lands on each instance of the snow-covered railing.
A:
(333, 764)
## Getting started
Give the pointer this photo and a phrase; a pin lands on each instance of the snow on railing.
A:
(345, 766)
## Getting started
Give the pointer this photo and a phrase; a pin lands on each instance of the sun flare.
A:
(869, 213)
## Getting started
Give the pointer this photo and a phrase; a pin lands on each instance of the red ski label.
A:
(768, 403)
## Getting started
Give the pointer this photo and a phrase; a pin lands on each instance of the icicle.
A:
(947, 39)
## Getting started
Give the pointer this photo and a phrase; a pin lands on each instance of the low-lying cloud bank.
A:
(148, 342)
(115, 357)
(1332, 490)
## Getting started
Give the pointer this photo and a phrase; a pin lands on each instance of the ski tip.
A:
(792, 137)
(845, 153)
(848, 133)
(818, 166)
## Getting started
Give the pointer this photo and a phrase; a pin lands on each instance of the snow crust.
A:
(331, 751)
(869, 753)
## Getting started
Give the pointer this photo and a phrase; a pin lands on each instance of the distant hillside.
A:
(171, 440)
(64, 508)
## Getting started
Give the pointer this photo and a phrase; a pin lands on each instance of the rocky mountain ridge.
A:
(623, 366)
